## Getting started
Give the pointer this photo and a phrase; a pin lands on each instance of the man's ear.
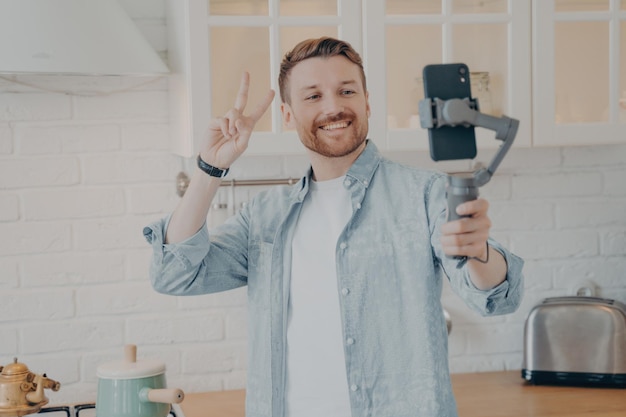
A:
(286, 111)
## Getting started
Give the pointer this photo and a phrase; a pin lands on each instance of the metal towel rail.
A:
(182, 182)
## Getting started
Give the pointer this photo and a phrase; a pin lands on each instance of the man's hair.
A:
(324, 47)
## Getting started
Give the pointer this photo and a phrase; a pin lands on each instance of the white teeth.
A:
(335, 126)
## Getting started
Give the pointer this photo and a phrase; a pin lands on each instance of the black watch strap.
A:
(211, 170)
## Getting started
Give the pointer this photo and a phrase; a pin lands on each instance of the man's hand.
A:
(468, 236)
(228, 136)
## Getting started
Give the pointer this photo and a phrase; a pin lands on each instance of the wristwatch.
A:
(211, 170)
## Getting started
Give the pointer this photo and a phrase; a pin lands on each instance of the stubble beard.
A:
(315, 141)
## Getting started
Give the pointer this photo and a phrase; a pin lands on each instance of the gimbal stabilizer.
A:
(435, 113)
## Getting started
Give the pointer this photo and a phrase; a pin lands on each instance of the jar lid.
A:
(130, 368)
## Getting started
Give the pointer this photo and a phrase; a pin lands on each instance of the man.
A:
(344, 268)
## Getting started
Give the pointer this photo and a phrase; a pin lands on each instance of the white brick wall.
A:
(80, 175)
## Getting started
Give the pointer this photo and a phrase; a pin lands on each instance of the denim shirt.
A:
(390, 266)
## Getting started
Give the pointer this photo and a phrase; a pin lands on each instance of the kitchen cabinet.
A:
(213, 41)
(401, 37)
(579, 72)
(558, 66)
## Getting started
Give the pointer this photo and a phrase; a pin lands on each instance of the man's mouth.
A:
(333, 126)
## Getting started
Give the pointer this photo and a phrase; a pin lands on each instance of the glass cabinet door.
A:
(579, 72)
(254, 35)
(217, 40)
(245, 44)
(491, 37)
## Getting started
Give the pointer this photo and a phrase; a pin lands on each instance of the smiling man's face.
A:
(328, 106)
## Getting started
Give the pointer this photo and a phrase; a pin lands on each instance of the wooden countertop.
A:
(488, 394)
(506, 394)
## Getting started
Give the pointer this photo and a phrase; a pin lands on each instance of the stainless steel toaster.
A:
(578, 341)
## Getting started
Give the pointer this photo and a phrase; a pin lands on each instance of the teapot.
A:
(22, 391)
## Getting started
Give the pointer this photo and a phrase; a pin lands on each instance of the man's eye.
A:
(313, 97)
(348, 92)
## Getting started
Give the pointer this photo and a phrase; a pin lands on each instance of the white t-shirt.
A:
(316, 371)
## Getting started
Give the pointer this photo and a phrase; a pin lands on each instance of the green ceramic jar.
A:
(131, 388)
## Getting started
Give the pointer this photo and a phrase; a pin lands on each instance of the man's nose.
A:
(333, 105)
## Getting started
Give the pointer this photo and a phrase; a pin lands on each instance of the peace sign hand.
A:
(228, 136)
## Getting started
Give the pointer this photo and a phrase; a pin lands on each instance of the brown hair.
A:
(324, 47)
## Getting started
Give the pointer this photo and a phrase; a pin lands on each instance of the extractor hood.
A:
(73, 37)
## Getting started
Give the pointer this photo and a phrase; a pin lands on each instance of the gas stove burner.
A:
(59, 411)
(76, 410)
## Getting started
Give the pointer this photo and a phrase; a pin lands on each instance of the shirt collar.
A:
(362, 170)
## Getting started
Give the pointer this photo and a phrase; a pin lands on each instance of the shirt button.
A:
(366, 183)
(353, 387)
(343, 245)
(345, 291)
(347, 183)
(358, 206)
(350, 341)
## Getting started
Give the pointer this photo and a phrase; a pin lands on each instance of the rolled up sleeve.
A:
(504, 298)
(181, 268)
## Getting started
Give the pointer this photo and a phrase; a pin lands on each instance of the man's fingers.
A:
(466, 225)
(225, 127)
(242, 96)
(262, 107)
(231, 124)
(473, 207)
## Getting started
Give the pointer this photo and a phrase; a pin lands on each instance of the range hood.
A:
(73, 37)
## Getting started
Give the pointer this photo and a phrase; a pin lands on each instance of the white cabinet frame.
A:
(546, 132)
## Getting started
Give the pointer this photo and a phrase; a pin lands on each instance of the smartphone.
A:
(447, 81)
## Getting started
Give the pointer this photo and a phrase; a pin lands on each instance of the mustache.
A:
(335, 118)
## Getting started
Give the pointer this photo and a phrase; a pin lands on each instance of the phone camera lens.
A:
(462, 70)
